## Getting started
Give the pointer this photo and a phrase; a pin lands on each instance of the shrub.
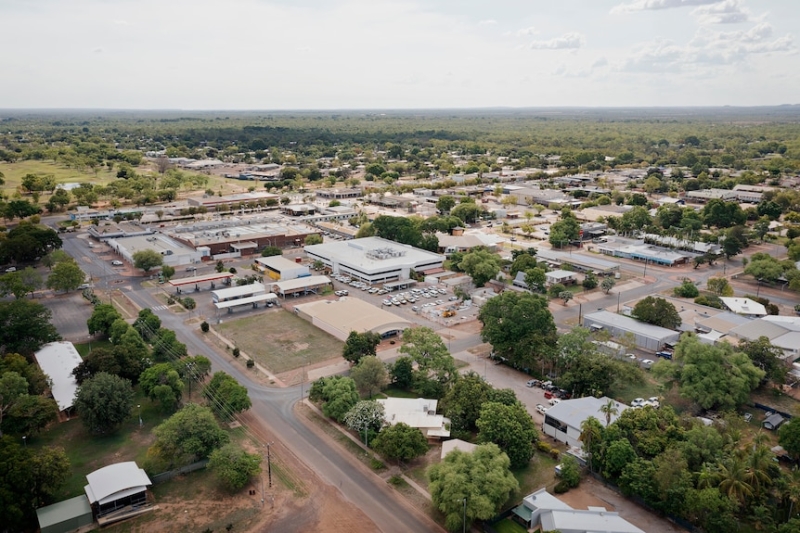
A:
(709, 300)
(555, 454)
(544, 447)
(188, 303)
(204, 327)
(687, 289)
(250, 363)
(555, 289)
(236, 352)
(561, 487)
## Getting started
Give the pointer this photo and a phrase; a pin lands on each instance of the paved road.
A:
(275, 407)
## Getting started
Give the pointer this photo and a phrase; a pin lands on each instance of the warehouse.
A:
(278, 268)
(212, 202)
(647, 336)
(373, 259)
(242, 237)
(340, 317)
(173, 252)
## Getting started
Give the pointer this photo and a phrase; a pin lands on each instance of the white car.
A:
(541, 408)
(653, 402)
(554, 401)
(638, 402)
(116, 263)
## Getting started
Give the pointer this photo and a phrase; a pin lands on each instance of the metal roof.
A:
(63, 511)
(115, 481)
(269, 297)
(574, 412)
(238, 291)
(58, 360)
(200, 279)
(607, 318)
(300, 283)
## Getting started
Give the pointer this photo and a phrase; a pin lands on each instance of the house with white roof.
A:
(418, 413)
(563, 420)
(744, 307)
(542, 509)
(57, 360)
(117, 491)
(782, 331)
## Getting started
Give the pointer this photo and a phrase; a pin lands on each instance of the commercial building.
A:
(782, 331)
(299, 286)
(704, 195)
(338, 194)
(278, 268)
(57, 360)
(646, 336)
(373, 259)
(418, 413)
(174, 253)
(544, 511)
(65, 516)
(563, 420)
(744, 306)
(225, 239)
(644, 252)
(578, 262)
(340, 317)
(182, 284)
(118, 491)
(268, 299)
(233, 200)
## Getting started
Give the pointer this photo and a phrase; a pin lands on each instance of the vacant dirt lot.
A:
(280, 341)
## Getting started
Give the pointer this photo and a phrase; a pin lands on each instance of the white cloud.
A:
(652, 5)
(525, 32)
(98, 50)
(727, 12)
(600, 62)
(568, 41)
(487, 22)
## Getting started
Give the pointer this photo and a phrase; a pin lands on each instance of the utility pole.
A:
(269, 465)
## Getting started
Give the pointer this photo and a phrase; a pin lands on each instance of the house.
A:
(782, 331)
(542, 509)
(773, 422)
(563, 420)
(57, 360)
(118, 491)
(457, 444)
(745, 307)
(418, 413)
(564, 277)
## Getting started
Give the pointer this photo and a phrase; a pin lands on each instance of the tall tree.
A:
(163, 383)
(360, 345)
(66, 276)
(233, 466)
(481, 264)
(226, 396)
(370, 375)
(365, 418)
(104, 402)
(400, 442)
(434, 363)
(511, 428)
(474, 485)
(12, 388)
(102, 317)
(147, 259)
(657, 311)
(25, 327)
(190, 434)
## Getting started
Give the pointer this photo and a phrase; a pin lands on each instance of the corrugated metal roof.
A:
(63, 511)
(112, 481)
(58, 360)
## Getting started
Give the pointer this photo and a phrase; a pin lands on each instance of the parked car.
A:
(653, 402)
(191, 268)
(638, 402)
(532, 383)
(116, 263)
(541, 408)
(11, 269)
(554, 401)
(664, 354)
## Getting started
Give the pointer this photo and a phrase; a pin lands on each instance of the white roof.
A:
(560, 274)
(115, 481)
(58, 360)
(457, 444)
(239, 290)
(744, 306)
(278, 263)
(415, 412)
(352, 314)
(374, 254)
(300, 283)
(592, 520)
(269, 297)
(574, 412)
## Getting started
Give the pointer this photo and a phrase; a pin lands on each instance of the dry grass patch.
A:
(280, 341)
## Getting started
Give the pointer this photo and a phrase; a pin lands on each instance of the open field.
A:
(281, 341)
(15, 171)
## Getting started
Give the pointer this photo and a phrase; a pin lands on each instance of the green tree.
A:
(607, 284)
(21, 283)
(570, 471)
(713, 376)
(687, 289)
(789, 438)
(764, 268)
(511, 428)
(162, 382)
(523, 263)
(166, 345)
(590, 281)
(462, 403)
(765, 356)
(103, 316)
(234, 467)
(564, 231)
(270, 251)
(167, 272)
(66, 276)
(400, 442)
(657, 311)
(467, 211)
(536, 279)
(25, 327)
(313, 239)
(147, 323)
(360, 345)
(12, 387)
(190, 434)
(365, 418)
(104, 402)
(147, 259)
(566, 296)
(370, 375)
(719, 286)
(481, 264)
(403, 373)
(445, 203)
(340, 395)
(474, 484)
(226, 396)
(520, 327)
(435, 366)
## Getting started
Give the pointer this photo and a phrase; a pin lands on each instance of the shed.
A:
(58, 360)
(117, 487)
(65, 516)
(773, 422)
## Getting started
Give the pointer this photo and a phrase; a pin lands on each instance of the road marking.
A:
(159, 308)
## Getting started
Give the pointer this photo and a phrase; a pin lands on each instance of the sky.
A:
(397, 54)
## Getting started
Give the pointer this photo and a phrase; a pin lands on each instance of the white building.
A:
(116, 488)
(563, 420)
(278, 268)
(782, 331)
(565, 277)
(373, 259)
(58, 360)
(744, 307)
(340, 317)
(418, 413)
(544, 510)
(237, 292)
(646, 336)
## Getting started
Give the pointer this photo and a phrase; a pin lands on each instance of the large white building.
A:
(57, 360)
(373, 259)
(545, 511)
(278, 268)
(418, 413)
(563, 420)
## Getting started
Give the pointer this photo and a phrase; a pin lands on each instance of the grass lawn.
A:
(85, 348)
(393, 392)
(281, 341)
(649, 387)
(87, 452)
(15, 171)
(539, 473)
(508, 526)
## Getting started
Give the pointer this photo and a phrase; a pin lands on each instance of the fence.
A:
(769, 409)
(166, 476)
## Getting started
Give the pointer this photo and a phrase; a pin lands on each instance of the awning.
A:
(431, 271)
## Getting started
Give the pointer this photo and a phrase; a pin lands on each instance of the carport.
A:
(213, 279)
(252, 300)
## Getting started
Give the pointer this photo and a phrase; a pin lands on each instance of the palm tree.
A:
(609, 409)
(591, 432)
(732, 476)
(791, 491)
(758, 463)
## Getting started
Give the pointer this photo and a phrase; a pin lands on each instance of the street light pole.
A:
(140, 415)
